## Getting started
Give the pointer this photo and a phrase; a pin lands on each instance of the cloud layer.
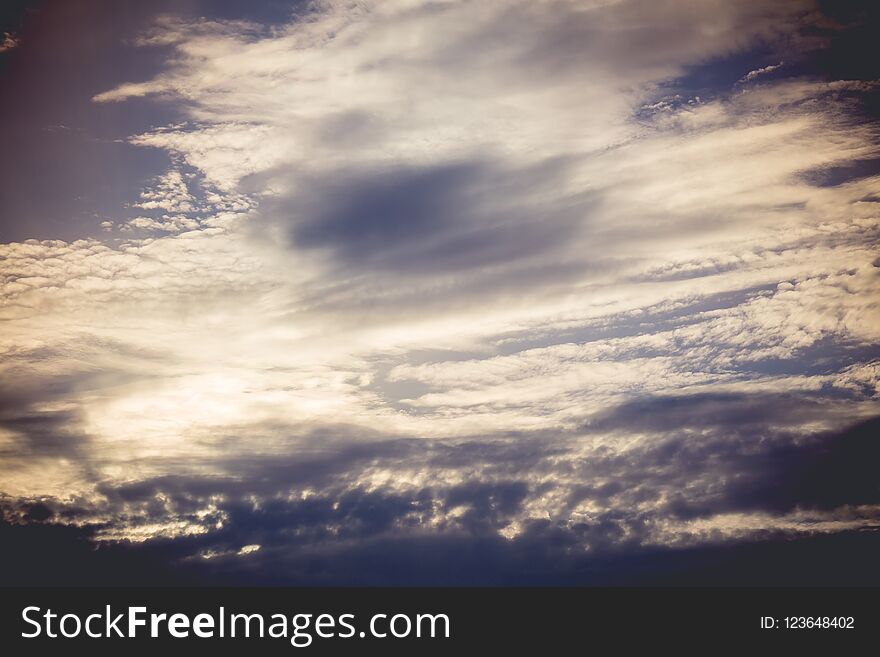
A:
(486, 272)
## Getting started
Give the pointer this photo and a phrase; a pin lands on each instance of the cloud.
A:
(439, 219)
(461, 274)
(375, 74)
(751, 75)
(720, 476)
(171, 194)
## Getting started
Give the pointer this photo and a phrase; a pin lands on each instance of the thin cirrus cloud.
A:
(426, 274)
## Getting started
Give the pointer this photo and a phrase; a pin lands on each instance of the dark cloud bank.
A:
(350, 535)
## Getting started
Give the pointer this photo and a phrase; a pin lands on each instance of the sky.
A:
(406, 292)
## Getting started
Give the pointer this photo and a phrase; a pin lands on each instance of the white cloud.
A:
(751, 75)
(171, 193)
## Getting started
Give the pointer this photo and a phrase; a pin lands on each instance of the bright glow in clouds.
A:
(403, 249)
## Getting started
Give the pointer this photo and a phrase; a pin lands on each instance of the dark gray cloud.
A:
(63, 555)
(704, 455)
(447, 218)
(43, 434)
